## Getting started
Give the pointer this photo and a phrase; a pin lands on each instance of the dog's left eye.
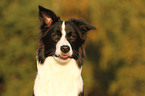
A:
(71, 36)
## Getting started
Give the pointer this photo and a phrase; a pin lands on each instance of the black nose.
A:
(65, 48)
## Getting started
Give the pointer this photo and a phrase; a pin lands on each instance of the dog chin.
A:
(61, 60)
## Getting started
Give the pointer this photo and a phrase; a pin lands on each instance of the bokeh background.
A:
(115, 63)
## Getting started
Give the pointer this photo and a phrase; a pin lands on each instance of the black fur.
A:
(81, 94)
(33, 94)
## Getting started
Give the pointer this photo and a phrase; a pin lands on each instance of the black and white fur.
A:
(60, 55)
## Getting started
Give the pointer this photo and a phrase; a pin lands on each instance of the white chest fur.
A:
(54, 79)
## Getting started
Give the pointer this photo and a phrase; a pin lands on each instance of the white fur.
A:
(61, 42)
(54, 79)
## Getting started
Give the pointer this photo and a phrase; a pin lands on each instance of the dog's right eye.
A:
(56, 36)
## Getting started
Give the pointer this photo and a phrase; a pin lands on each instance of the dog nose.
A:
(65, 48)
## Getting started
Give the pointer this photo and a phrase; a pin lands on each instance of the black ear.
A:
(47, 17)
(82, 26)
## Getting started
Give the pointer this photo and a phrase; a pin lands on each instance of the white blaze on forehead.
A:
(63, 41)
(63, 30)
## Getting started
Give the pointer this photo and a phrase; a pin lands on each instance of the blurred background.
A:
(115, 63)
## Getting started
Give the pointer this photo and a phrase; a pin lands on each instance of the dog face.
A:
(61, 39)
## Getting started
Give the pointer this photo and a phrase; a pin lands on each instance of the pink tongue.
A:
(64, 56)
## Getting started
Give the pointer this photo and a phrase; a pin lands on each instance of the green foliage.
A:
(115, 52)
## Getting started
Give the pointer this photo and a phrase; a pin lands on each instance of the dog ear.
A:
(47, 17)
(83, 27)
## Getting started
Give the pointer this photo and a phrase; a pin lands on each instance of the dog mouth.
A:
(63, 56)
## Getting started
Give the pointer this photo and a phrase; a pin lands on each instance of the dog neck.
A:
(55, 79)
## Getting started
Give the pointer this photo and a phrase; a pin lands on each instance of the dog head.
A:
(61, 39)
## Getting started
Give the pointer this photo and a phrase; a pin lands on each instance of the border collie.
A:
(60, 55)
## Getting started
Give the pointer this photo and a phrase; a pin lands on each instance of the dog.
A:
(60, 55)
